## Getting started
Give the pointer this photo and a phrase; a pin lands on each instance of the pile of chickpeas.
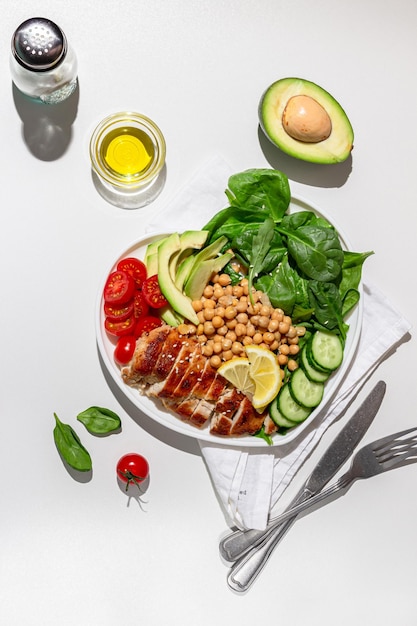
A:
(229, 320)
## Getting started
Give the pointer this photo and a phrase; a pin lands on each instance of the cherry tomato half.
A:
(118, 329)
(140, 306)
(124, 349)
(135, 268)
(119, 288)
(146, 324)
(152, 292)
(132, 468)
(118, 313)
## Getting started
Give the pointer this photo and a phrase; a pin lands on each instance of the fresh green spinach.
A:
(70, 447)
(99, 421)
(295, 258)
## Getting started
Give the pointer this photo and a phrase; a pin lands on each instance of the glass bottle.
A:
(42, 63)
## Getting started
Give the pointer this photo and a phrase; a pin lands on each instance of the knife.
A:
(244, 545)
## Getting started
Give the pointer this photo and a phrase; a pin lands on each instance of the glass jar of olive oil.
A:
(127, 152)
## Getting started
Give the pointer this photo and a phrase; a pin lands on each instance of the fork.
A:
(377, 457)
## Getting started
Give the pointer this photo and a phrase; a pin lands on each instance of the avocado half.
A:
(305, 121)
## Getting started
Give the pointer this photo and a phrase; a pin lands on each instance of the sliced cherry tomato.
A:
(118, 329)
(135, 268)
(140, 306)
(118, 313)
(146, 324)
(152, 292)
(119, 288)
(132, 468)
(124, 349)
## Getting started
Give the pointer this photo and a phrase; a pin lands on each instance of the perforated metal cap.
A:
(39, 44)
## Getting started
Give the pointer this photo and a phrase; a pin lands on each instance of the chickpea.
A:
(292, 365)
(215, 361)
(217, 321)
(222, 330)
(224, 280)
(230, 312)
(208, 314)
(217, 347)
(265, 310)
(294, 349)
(291, 332)
(301, 331)
(231, 324)
(242, 318)
(218, 292)
(250, 329)
(240, 330)
(237, 291)
(227, 355)
(257, 338)
(208, 291)
(228, 290)
(226, 343)
(207, 350)
(282, 359)
(220, 311)
(209, 304)
(283, 327)
(242, 305)
(225, 301)
(231, 335)
(208, 328)
(263, 321)
(284, 349)
(247, 341)
(183, 329)
(274, 346)
(237, 347)
(268, 338)
(273, 325)
(197, 305)
(277, 314)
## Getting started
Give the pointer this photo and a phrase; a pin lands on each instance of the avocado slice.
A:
(178, 300)
(202, 272)
(305, 121)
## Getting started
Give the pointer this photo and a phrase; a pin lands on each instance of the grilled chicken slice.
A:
(172, 368)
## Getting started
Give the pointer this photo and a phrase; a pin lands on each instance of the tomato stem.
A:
(132, 478)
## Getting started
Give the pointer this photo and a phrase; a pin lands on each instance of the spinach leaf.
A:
(287, 290)
(265, 190)
(99, 421)
(247, 243)
(316, 250)
(70, 447)
(327, 304)
(256, 246)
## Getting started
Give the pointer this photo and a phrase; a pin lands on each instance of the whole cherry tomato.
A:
(119, 288)
(124, 349)
(135, 268)
(152, 292)
(132, 468)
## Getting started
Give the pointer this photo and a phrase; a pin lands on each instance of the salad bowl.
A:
(154, 409)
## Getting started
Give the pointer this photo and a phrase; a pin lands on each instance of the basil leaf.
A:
(99, 421)
(70, 447)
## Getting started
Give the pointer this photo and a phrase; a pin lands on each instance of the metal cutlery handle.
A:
(249, 566)
(236, 544)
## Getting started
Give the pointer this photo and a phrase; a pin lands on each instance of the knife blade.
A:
(236, 544)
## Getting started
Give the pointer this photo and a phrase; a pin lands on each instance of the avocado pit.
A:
(304, 119)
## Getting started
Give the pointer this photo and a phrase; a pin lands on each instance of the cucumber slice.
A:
(304, 391)
(326, 350)
(277, 417)
(289, 408)
(313, 374)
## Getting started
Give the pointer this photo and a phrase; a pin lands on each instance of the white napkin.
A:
(248, 483)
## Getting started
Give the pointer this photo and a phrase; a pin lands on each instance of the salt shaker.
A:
(42, 63)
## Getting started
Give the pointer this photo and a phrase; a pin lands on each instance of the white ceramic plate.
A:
(154, 409)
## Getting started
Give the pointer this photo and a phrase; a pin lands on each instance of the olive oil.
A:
(127, 151)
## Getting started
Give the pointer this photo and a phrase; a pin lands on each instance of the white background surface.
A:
(74, 552)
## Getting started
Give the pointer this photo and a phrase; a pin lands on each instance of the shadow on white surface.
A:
(314, 174)
(46, 128)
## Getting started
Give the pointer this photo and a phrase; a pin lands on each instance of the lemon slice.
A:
(237, 372)
(266, 374)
